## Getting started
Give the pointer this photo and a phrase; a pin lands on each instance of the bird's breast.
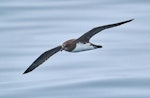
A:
(82, 47)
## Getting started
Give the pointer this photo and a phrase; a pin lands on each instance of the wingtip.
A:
(26, 72)
(117, 24)
(131, 19)
(23, 73)
(128, 20)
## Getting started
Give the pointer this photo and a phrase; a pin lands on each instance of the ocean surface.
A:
(121, 69)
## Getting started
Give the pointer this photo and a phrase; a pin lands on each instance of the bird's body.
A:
(73, 45)
(83, 47)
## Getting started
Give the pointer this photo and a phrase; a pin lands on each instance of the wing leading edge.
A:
(42, 58)
(86, 37)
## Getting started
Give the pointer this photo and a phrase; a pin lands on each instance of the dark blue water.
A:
(121, 69)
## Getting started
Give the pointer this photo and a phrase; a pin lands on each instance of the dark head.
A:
(69, 45)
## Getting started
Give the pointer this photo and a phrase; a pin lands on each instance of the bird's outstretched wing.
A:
(42, 58)
(86, 37)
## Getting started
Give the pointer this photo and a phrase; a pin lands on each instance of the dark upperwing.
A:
(86, 37)
(42, 58)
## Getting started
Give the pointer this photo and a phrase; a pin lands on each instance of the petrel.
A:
(74, 45)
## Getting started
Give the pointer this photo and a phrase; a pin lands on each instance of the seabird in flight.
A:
(74, 45)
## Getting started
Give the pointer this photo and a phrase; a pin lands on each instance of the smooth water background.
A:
(121, 69)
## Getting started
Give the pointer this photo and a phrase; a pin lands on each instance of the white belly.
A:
(83, 47)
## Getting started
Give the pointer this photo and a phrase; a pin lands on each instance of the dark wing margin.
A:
(42, 58)
(86, 37)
